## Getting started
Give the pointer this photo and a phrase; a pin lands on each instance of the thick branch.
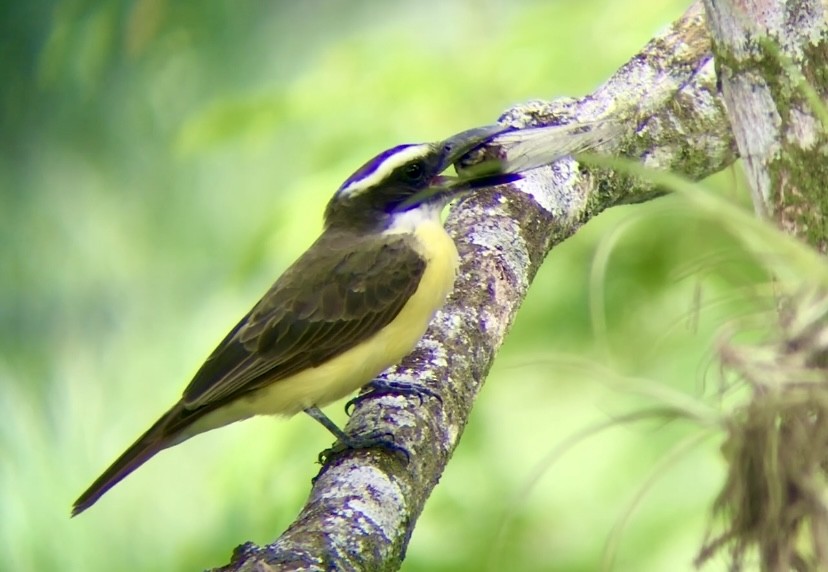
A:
(771, 58)
(363, 506)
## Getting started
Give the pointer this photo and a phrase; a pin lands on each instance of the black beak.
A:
(488, 174)
(443, 188)
(458, 146)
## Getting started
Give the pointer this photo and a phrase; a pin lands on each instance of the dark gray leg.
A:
(347, 443)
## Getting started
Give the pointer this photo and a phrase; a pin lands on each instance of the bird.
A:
(352, 305)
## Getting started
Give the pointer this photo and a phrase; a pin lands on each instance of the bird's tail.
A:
(157, 438)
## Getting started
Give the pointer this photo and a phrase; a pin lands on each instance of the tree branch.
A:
(364, 505)
(771, 58)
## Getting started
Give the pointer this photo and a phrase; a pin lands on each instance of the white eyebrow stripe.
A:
(385, 168)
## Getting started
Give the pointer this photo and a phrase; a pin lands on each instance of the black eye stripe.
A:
(413, 172)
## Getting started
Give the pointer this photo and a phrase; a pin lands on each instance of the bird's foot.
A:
(345, 442)
(380, 440)
(379, 386)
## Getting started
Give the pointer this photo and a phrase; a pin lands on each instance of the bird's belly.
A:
(352, 369)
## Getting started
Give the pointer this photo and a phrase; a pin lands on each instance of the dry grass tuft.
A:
(774, 504)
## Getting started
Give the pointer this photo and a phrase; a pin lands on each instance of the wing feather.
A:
(335, 296)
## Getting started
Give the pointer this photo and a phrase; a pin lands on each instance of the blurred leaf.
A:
(223, 122)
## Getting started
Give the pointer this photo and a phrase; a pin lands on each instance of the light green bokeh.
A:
(164, 161)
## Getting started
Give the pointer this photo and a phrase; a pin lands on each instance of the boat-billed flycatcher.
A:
(351, 306)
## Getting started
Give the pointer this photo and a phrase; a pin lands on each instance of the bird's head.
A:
(407, 180)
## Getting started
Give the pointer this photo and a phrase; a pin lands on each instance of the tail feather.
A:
(161, 435)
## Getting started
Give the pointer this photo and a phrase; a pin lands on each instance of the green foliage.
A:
(163, 161)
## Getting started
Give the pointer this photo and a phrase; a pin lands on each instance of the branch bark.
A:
(771, 58)
(363, 506)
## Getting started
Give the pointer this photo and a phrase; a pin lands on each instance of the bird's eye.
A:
(413, 172)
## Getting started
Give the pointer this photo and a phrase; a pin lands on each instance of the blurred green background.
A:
(162, 161)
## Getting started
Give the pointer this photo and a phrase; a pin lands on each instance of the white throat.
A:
(409, 221)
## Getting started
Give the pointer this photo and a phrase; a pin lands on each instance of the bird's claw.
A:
(383, 440)
(380, 386)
